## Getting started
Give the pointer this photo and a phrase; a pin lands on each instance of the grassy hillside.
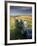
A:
(27, 18)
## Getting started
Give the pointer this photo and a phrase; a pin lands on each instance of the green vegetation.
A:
(12, 24)
(16, 27)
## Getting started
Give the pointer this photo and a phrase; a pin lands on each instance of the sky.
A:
(19, 10)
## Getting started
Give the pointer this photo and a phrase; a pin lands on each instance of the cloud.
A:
(16, 10)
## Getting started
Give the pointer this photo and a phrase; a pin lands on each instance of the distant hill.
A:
(23, 17)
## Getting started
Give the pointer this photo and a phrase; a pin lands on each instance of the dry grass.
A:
(26, 17)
